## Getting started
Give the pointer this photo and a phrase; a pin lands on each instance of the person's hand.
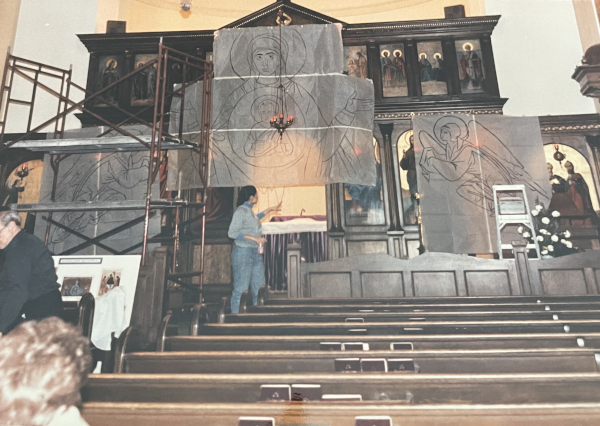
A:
(260, 240)
(277, 208)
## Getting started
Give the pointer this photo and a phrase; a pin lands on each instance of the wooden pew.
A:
(422, 388)
(447, 342)
(441, 307)
(430, 300)
(292, 317)
(428, 362)
(401, 328)
(340, 414)
(81, 314)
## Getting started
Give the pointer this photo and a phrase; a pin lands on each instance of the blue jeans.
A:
(248, 271)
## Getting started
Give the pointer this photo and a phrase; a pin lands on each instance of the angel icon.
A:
(473, 157)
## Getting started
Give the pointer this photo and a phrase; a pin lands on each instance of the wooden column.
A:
(594, 143)
(390, 167)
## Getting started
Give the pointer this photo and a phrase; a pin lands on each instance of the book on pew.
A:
(373, 421)
(330, 346)
(275, 393)
(401, 365)
(341, 397)
(401, 346)
(355, 346)
(347, 365)
(360, 331)
(306, 392)
(370, 365)
(256, 421)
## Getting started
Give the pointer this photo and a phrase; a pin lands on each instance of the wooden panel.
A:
(330, 285)
(367, 247)
(487, 283)
(427, 284)
(563, 282)
(382, 284)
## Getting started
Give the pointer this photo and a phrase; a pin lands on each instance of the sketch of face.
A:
(266, 61)
(266, 110)
(570, 168)
(449, 132)
(550, 170)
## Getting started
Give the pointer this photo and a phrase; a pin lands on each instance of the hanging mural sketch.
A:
(459, 159)
(393, 70)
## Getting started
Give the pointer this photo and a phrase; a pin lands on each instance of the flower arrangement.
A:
(546, 223)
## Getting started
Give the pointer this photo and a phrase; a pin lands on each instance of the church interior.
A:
(426, 180)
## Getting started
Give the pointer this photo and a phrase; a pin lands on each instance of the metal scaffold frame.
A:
(160, 140)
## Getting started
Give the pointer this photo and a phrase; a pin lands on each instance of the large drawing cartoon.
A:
(473, 157)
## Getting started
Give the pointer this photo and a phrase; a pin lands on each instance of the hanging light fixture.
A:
(281, 122)
(185, 5)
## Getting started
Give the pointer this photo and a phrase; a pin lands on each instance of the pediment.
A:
(266, 17)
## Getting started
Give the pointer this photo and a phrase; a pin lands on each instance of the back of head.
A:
(245, 193)
(8, 216)
(42, 368)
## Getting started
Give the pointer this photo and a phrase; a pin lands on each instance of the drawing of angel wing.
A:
(508, 168)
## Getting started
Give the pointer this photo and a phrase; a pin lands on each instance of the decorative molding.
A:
(570, 128)
(411, 114)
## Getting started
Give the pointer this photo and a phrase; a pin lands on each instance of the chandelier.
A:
(281, 123)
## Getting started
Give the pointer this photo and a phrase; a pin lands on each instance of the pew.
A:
(304, 317)
(419, 388)
(81, 314)
(400, 328)
(348, 362)
(340, 414)
(447, 342)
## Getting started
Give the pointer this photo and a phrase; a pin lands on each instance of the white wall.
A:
(537, 47)
(46, 33)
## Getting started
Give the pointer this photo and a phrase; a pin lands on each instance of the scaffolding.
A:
(160, 140)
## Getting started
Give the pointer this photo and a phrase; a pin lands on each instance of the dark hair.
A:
(245, 193)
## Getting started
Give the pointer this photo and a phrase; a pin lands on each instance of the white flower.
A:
(535, 212)
(550, 247)
(544, 232)
(563, 241)
(544, 251)
(567, 234)
(545, 220)
(520, 229)
(569, 244)
(540, 238)
(555, 214)
(526, 235)
(538, 207)
(554, 238)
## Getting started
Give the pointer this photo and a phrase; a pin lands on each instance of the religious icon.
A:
(408, 176)
(144, 83)
(470, 66)
(393, 70)
(75, 286)
(23, 184)
(573, 189)
(355, 61)
(433, 72)
(110, 279)
(363, 203)
(110, 71)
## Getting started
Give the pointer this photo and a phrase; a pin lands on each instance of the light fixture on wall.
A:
(186, 5)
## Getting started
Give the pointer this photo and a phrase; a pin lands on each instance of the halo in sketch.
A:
(397, 51)
(242, 52)
(110, 61)
(437, 55)
(452, 121)
(383, 53)
(467, 45)
(423, 56)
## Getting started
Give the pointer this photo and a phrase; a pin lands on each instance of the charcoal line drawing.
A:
(473, 157)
